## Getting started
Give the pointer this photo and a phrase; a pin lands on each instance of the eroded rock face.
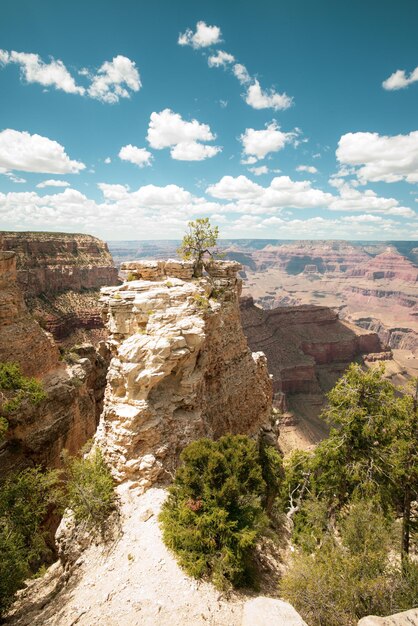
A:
(22, 340)
(69, 415)
(60, 276)
(307, 348)
(181, 368)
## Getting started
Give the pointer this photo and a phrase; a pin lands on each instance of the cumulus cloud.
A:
(220, 59)
(259, 99)
(34, 70)
(24, 152)
(281, 193)
(351, 199)
(52, 183)
(400, 80)
(138, 156)
(375, 157)
(258, 143)
(203, 36)
(108, 160)
(255, 96)
(258, 171)
(168, 130)
(241, 73)
(243, 208)
(114, 79)
(309, 169)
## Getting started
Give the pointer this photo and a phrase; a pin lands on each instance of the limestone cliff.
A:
(60, 275)
(180, 369)
(70, 413)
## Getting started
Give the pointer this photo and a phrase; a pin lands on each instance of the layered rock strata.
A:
(308, 348)
(180, 369)
(60, 276)
(22, 340)
(69, 415)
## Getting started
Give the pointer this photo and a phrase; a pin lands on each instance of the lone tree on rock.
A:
(198, 242)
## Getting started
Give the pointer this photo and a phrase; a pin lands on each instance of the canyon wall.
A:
(68, 416)
(307, 348)
(181, 367)
(60, 276)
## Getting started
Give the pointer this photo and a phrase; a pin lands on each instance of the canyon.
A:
(69, 414)
(60, 276)
(184, 358)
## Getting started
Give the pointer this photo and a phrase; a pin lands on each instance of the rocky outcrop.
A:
(298, 340)
(65, 420)
(68, 416)
(60, 276)
(307, 348)
(22, 340)
(406, 618)
(181, 368)
(387, 265)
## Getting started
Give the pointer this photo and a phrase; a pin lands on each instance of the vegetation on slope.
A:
(216, 507)
(343, 499)
(15, 389)
(26, 499)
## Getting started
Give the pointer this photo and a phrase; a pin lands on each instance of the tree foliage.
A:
(25, 498)
(15, 389)
(90, 490)
(214, 512)
(342, 498)
(349, 574)
(199, 242)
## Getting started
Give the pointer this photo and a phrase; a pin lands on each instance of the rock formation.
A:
(181, 368)
(18, 329)
(68, 416)
(60, 275)
(307, 349)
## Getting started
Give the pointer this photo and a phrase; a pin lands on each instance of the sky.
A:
(295, 119)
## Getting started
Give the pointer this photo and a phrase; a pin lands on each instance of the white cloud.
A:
(193, 151)
(230, 188)
(168, 130)
(108, 160)
(399, 80)
(259, 99)
(203, 37)
(220, 59)
(33, 153)
(350, 199)
(114, 79)
(245, 210)
(34, 70)
(310, 169)
(52, 183)
(258, 171)
(138, 156)
(377, 157)
(281, 193)
(259, 143)
(240, 72)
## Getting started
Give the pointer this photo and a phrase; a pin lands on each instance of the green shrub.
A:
(90, 490)
(16, 388)
(25, 498)
(130, 277)
(214, 513)
(344, 579)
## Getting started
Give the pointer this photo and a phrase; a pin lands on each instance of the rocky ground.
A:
(135, 581)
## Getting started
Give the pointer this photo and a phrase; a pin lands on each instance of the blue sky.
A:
(292, 119)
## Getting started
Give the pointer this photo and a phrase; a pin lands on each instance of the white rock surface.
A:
(263, 611)
(406, 618)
